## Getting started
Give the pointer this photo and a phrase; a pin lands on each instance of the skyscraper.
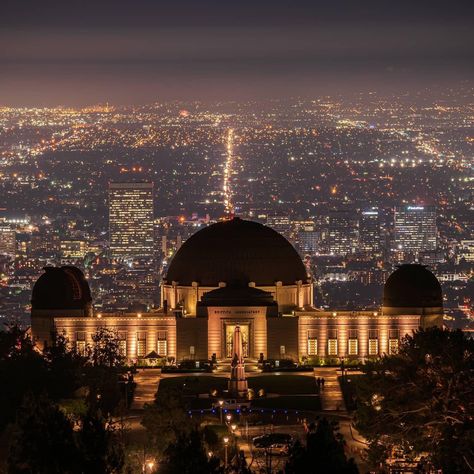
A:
(415, 230)
(343, 232)
(7, 241)
(369, 231)
(131, 219)
(308, 240)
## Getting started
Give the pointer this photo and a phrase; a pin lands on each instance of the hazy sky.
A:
(135, 51)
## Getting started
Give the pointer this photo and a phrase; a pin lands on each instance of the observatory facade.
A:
(239, 273)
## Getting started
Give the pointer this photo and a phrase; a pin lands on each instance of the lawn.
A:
(288, 402)
(192, 385)
(284, 384)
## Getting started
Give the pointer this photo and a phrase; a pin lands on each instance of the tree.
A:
(102, 374)
(65, 368)
(166, 418)
(22, 370)
(105, 350)
(421, 401)
(323, 453)
(187, 455)
(100, 445)
(43, 440)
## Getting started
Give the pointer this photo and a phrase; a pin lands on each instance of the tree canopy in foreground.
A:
(420, 401)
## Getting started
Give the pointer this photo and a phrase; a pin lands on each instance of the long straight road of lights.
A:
(228, 205)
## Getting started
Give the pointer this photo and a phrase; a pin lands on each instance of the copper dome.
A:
(61, 288)
(412, 286)
(236, 251)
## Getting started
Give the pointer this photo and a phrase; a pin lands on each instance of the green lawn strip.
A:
(284, 384)
(288, 402)
(192, 385)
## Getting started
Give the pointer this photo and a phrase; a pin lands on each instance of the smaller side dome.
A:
(412, 286)
(61, 288)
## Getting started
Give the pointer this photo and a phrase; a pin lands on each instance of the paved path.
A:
(147, 381)
(331, 395)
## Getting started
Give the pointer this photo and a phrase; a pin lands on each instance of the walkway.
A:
(331, 395)
(147, 381)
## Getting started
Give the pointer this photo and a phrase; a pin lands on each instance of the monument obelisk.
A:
(238, 383)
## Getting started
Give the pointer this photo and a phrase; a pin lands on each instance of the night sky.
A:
(136, 51)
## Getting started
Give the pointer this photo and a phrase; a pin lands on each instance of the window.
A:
(81, 343)
(393, 338)
(122, 343)
(312, 346)
(332, 333)
(81, 347)
(141, 344)
(373, 347)
(312, 343)
(332, 347)
(162, 343)
(392, 346)
(353, 347)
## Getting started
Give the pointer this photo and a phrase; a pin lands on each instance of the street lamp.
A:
(151, 465)
(228, 417)
(220, 402)
(233, 427)
(226, 442)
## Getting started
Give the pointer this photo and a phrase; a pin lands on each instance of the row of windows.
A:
(352, 347)
(353, 333)
(141, 343)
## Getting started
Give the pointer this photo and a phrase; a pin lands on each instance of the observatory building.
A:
(239, 273)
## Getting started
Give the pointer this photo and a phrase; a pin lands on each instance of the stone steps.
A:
(251, 365)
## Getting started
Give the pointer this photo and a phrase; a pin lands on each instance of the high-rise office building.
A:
(466, 251)
(415, 230)
(308, 240)
(131, 219)
(343, 233)
(281, 224)
(7, 241)
(369, 231)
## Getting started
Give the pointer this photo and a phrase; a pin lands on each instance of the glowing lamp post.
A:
(226, 442)
(221, 403)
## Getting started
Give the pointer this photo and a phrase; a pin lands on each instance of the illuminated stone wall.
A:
(288, 297)
(349, 332)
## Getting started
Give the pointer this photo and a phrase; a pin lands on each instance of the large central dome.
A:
(236, 251)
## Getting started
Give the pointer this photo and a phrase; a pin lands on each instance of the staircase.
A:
(251, 365)
(331, 395)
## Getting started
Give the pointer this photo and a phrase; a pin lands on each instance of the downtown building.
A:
(370, 232)
(343, 232)
(243, 273)
(415, 231)
(131, 232)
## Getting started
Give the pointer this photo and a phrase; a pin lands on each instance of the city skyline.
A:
(236, 237)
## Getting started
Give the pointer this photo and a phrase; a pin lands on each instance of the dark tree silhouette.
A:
(101, 449)
(421, 401)
(187, 455)
(22, 370)
(323, 453)
(166, 418)
(65, 368)
(103, 371)
(43, 440)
